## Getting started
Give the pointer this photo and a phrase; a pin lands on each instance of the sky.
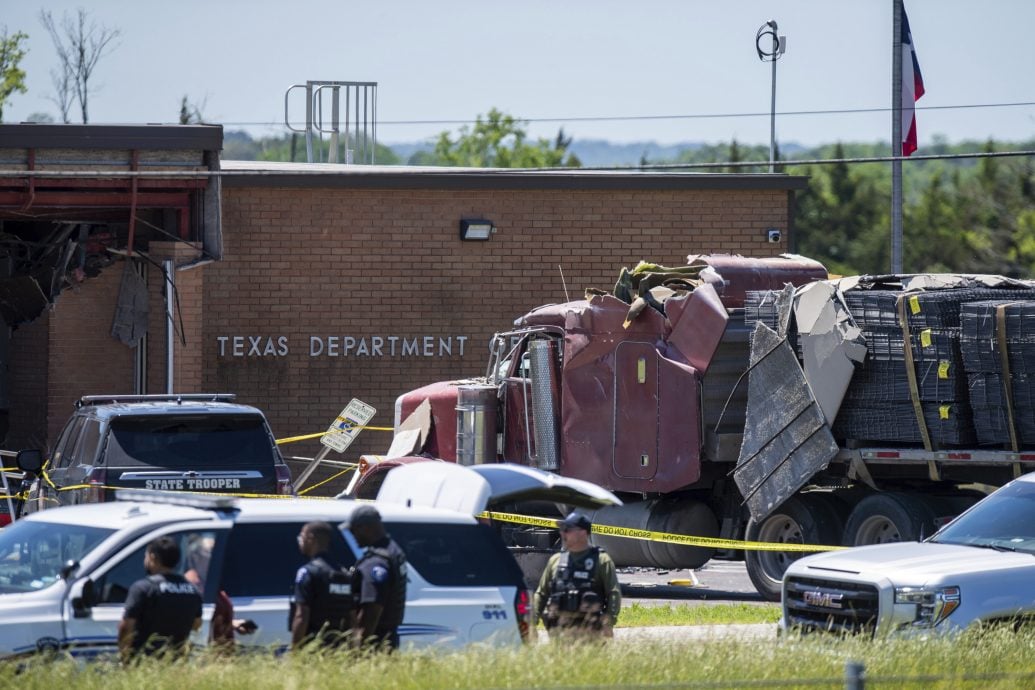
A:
(631, 65)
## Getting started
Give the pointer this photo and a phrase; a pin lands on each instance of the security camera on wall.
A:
(774, 235)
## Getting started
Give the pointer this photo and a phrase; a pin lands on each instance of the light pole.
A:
(779, 46)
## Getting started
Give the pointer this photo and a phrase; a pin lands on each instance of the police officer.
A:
(321, 608)
(161, 609)
(378, 583)
(578, 593)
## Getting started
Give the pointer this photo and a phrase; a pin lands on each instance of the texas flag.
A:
(912, 88)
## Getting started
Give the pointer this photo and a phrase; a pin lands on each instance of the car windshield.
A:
(1005, 521)
(32, 552)
(189, 441)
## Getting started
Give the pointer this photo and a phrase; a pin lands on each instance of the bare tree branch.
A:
(80, 44)
(63, 95)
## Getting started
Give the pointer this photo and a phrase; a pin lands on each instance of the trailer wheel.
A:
(803, 519)
(889, 517)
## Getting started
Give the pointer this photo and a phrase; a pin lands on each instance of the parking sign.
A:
(347, 425)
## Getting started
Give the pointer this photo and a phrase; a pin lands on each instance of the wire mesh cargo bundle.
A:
(978, 320)
(981, 356)
(980, 342)
(929, 344)
(883, 381)
(948, 424)
(934, 308)
(879, 308)
(989, 409)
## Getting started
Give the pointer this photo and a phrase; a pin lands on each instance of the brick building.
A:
(335, 282)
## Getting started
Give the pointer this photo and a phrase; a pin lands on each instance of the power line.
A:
(816, 161)
(689, 116)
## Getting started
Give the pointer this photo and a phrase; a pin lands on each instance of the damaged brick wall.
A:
(83, 357)
(364, 263)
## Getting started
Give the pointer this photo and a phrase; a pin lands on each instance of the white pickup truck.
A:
(980, 568)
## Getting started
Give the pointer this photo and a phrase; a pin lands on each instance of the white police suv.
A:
(65, 572)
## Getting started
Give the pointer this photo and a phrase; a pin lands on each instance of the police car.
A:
(176, 442)
(65, 572)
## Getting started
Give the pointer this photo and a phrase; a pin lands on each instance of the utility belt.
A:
(575, 608)
(576, 601)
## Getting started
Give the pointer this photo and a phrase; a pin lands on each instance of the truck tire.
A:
(803, 519)
(889, 517)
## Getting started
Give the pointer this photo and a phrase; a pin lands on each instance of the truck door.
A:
(93, 631)
(636, 411)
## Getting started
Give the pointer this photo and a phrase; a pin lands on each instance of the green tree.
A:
(500, 141)
(12, 77)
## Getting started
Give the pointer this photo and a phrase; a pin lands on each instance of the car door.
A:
(77, 463)
(48, 486)
(259, 567)
(94, 631)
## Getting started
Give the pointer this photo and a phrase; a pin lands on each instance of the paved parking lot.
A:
(715, 581)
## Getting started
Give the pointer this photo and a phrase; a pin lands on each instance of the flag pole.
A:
(896, 137)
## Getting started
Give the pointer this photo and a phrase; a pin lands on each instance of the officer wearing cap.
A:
(321, 609)
(578, 593)
(378, 582)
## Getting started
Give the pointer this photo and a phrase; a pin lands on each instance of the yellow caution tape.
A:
(332, 477)
(609, 530)
(684, 539)
(306, 437)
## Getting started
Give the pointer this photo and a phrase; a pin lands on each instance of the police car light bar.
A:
(173, 498)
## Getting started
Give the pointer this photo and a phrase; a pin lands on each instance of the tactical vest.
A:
(572, 578)
(395, 599)
(332, 602)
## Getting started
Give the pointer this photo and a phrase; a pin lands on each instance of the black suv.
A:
(198, 442)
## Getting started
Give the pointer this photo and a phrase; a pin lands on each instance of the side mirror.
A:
(85, 600)
(68, 569)
(29, 461)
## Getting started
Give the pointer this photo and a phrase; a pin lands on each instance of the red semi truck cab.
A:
(611, 392)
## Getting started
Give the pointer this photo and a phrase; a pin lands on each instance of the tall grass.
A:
(639, 615)
(997, 659)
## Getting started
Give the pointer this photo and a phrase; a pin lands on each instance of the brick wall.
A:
(83, 357)
(364, 263)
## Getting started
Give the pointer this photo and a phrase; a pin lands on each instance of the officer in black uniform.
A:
(379, 582)
(321, 608)
(578, 593)
(161, 609)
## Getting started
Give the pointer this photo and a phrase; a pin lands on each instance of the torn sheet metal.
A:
(831, 345)
(412, 433)
(131, 308)
(786, 438)
(700, 327)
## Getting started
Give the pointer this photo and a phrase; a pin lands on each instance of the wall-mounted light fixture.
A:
(476, 229)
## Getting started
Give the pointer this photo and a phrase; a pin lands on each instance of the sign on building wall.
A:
(341, 346)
